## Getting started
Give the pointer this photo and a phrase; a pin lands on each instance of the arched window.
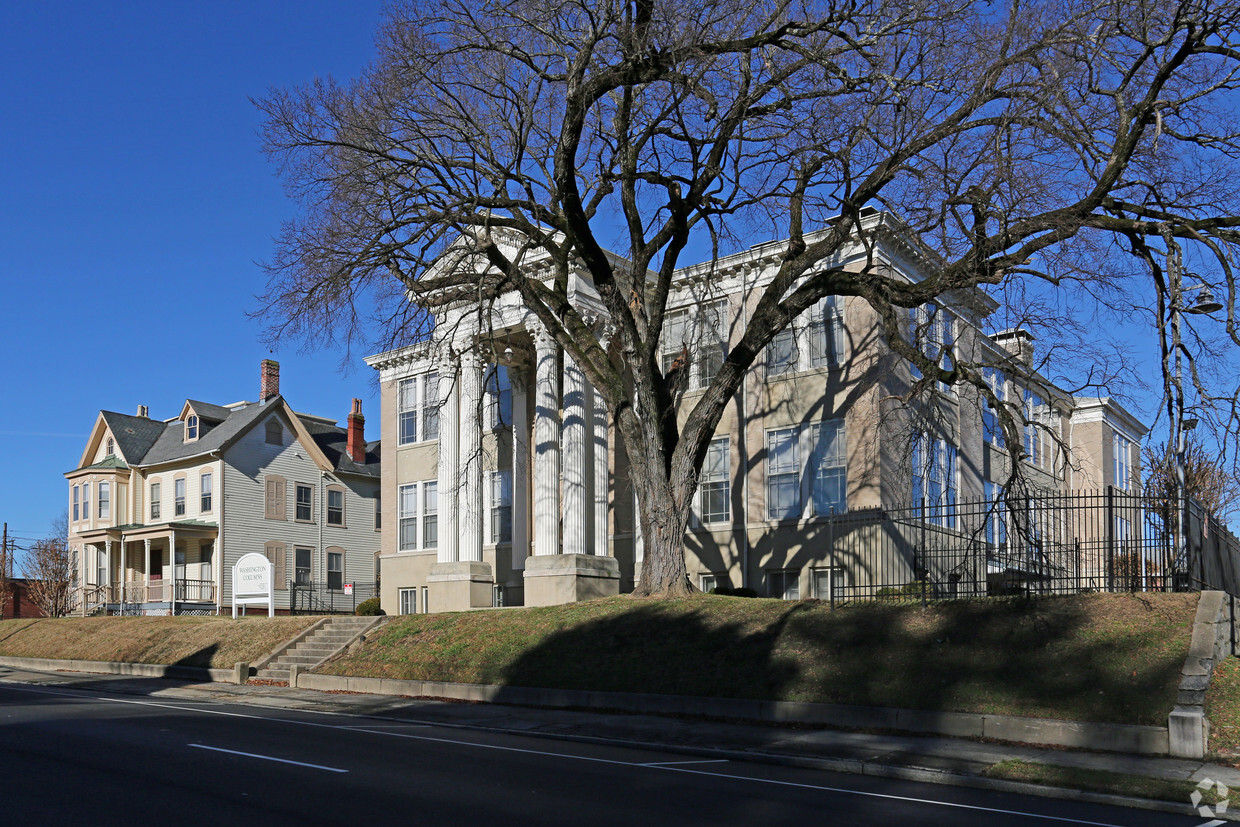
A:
(111, 447)
(275, 433)
(191, 428)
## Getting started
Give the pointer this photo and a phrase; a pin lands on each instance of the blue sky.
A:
(134, 203)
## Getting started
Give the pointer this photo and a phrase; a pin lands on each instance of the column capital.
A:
(543, 340)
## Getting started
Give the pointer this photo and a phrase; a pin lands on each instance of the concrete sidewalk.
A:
(928, 759)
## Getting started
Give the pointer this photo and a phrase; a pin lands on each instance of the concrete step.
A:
(313, 649)
(305, 660)
(270, 674)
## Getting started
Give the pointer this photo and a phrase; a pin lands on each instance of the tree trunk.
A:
(663, 536)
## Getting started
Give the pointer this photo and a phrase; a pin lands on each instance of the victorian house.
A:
(160, 510)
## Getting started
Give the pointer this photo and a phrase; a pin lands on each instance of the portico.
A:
(559, 464)
(159, 569)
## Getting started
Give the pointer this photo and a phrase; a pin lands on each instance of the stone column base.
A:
(458, 587)
(555, 579)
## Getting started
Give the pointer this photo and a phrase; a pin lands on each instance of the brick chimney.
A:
(357, 431)
(269, 386)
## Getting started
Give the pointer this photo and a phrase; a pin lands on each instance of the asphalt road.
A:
(87, 757)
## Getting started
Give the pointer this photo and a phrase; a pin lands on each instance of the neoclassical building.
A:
(504, 482)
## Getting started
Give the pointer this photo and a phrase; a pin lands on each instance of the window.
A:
(407, 505)
(304, 512)
(77, 501)
(275, 507)
(105, 500)
(417, 398)
(498, 397)
(101, 566)
(430, 515)
(111, 449)
(378, 512)
(275, 432)
(191, 428)
(501, 507)
(829, 583)
(932, 331)
(409, 601)
(335, 506)
(992, 430)
(715, 486)
(824, 485)
(1037, 441)
(302, 570)
(783, 485)
(156, 505)
(699, 335)
(335, 570)
(86, 501)
(714, 581)
(934, 479)
(996, 514)
(781, 353)
(826, 333)
(178, 497)
(828, 466)
(205, 554)
(205, 493)
(784, 584)
(1121, 451)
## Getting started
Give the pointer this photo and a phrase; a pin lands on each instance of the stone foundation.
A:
(555, 579)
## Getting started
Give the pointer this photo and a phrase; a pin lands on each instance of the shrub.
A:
(744, 591)
(369, 608)
(721, 590)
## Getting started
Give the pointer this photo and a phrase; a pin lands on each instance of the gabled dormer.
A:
(198, 418)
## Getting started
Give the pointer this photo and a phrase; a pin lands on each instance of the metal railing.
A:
(319, 597)
(1107, 541)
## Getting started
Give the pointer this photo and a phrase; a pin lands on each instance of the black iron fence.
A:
(318, 597)
(1107, 541)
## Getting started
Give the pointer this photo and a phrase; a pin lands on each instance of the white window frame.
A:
(77, 504)
(205, 493)
(783, 583)
(717, 475)
(713, 580)
(298, 487)
(996, 530)
(156, 505)
(992, 428)
(417, 409)
(339, 557)
(497, 385)
(416, 504)
(1121, 460)
(86, 502)
(932, 330)
(700, 330)
(808, 478)
(339, 492)
(936, 479)
(408, 600)
(826, 332)
(499, 507)
(104, 500)
(837, 577)
(179, 488)
(1038, 442)
(191, 428)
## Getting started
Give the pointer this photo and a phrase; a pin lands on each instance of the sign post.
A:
(253, 583)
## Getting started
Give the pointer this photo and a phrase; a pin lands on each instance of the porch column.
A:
(602, 475)
(469, 505)
(172, 564)
(449, 418)
(146, 551)
(107, 567)
(546, 444)
(576, 441)
(520, 466)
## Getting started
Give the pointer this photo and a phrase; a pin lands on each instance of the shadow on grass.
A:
(1106, 659)
(201, 658)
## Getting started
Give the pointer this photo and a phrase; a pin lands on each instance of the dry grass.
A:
(1107, 658)
(188, 641)
(1100, 781)
(1223, 710)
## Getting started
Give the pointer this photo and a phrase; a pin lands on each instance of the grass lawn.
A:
(1106, 658)
(1101, 781)
(188, 641)
(1223, 710)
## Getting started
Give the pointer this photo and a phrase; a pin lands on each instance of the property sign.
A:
(348, 588)
(253, 583)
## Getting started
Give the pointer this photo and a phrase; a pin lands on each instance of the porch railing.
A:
(161, 591)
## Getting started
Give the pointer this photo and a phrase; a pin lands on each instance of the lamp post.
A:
(1204, 305)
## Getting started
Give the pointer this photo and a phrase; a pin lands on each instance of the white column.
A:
(449, 417)
(546, 444)
(602, 475)
(576, 441)
(146, 551)
(172, 564)
(520, 466)
(107, 568)
(469, 501)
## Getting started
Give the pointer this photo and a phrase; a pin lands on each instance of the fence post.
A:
(920, 554)
(831, 554)
(1109, 533)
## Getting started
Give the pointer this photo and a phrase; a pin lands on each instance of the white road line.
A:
(674, 763)
(1059, 819)
(367, 727)
(266, 758)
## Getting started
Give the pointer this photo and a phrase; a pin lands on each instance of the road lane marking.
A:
(88, 695)
(674, 763)
(266, 758)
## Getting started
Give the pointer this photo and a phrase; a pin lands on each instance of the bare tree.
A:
(1206, 480)
(1042, 150)
(47, 569)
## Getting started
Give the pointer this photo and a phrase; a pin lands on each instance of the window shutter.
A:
(275, 509)
(277, 553)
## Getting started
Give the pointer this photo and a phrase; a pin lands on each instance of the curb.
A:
(1122, 738)
(139, 670)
